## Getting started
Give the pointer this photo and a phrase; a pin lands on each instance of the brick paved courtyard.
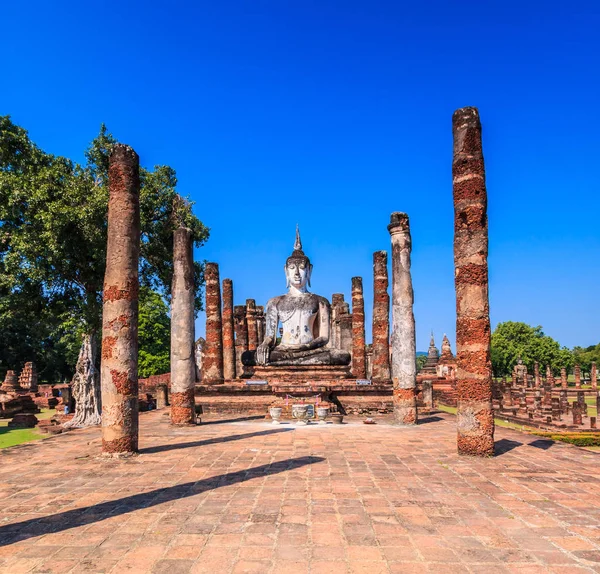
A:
(252, 497)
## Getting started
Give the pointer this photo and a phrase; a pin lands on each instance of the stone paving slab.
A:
(253, 497)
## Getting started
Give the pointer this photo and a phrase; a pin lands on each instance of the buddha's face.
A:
(297, 272)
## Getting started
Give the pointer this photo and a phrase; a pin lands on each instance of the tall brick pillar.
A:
(358, 329)
(536, 375)
(475, 418)
(252, 324)
(241, 336)
(549, 376)
(213, 349)
(381, 320)
(564, 381)
(404, 351)
(594, 378)
(119, 364)
(183, 336)
(577, 373)
(260, 323)
(228, 331)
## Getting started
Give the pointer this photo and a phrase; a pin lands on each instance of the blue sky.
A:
(333, 114)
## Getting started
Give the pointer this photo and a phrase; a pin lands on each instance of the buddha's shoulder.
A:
(323, 300)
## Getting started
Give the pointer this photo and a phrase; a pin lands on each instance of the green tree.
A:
(53, 231)
(585, 356)
(421, 360)
(154, 334)
(511, 340)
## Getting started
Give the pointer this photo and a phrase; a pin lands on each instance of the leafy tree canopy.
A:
(585, 356)
(53, 231)
(154, 334)
(512, 340)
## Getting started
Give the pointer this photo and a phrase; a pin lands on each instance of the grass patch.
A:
(14, 437)
(578, 439)
(446, 409)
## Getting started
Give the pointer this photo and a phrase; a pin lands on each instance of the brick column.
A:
(119, 364)
(564, 381)
(183, 336)
(475, 417)
(577, 414)
(381, 319)
(213, 350)
(536, 375)
(358, 329)
(228, 331)
(594, 378)
(252, 324)
(337, 301)
(241, 336)
(549, 376)
(404, 352)
(260, 323)
(577, 372)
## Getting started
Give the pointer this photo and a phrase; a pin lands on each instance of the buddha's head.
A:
(298, 268)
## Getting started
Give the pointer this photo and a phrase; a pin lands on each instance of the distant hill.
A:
(421, 353)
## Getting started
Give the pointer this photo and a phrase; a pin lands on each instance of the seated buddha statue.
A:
(304, 318)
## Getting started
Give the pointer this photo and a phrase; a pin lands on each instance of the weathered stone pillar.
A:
(241, 336)
(577, 373)
(213, 349)
(381, 319)
(358, 329)
(337, 302)
(260, 323)
(404, 352)
(475, 417)
(594, 377)
(577, 414)
(549, 376)
(252, 325)
(536, 375)
(228, 331)
(563, 378)
(119, 364)
(345, 329)
(183, 336)
(162, 393)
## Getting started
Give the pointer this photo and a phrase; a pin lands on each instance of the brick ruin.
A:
(380, 361)
(213, 350)
(183, 366)
(210, 374)
(544, 402)
(358, 329)
(119, 362)
(404, 351)
(475, 419)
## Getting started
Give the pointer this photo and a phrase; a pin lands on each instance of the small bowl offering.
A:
(369, 421)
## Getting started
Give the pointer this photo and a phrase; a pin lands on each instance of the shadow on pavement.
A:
(504, 445)
(429, 419)
(238, 420)
(205, 442)
(75, 518)
(543, 444)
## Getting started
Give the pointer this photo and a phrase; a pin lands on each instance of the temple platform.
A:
(253, 397)
(303, 374)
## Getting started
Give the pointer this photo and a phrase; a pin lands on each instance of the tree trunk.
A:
(86, 386)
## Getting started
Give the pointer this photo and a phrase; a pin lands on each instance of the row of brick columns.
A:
(229, 333)
(119, 366)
